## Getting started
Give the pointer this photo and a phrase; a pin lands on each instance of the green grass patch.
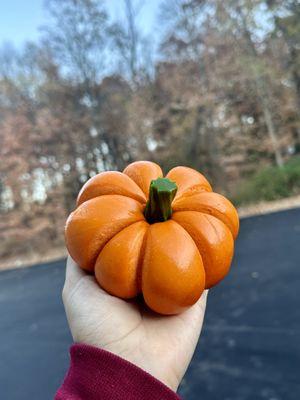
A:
(270, 183)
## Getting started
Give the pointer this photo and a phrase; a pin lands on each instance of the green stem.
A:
(161, 194)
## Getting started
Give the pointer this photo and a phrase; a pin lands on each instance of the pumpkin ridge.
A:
(137, 187)
(187, 179)
(163, 271)
(113, 186)
(228, 224)
(212, 225)
(94, 244)
(115, 261)
(138, 175)
(206, 212)
(210, 264)
(139, 270)
(192, 237)
(209, 210)
(191, 191)
(115, 194)
(105, 243)
(119, 194)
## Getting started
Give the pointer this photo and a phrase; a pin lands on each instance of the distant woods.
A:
(216, 86)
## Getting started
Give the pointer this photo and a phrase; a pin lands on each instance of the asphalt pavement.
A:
(249, 348)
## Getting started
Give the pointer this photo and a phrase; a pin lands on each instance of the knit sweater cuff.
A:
(99, 374)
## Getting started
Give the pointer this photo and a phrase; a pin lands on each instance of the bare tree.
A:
(132, 47)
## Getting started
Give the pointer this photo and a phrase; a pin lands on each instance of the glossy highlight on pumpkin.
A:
(171, 262)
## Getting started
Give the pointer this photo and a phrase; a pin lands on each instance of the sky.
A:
(20, 19)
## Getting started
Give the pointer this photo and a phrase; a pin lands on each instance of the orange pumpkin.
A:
(167, 238)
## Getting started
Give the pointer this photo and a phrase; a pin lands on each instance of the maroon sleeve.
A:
(97, 374)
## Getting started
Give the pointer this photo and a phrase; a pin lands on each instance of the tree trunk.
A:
(132, 40)
(192, 153)
(272, 134)
(261, 89)
(295, 74)
(212, 147)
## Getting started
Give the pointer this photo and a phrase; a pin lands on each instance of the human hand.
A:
(161, 345)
